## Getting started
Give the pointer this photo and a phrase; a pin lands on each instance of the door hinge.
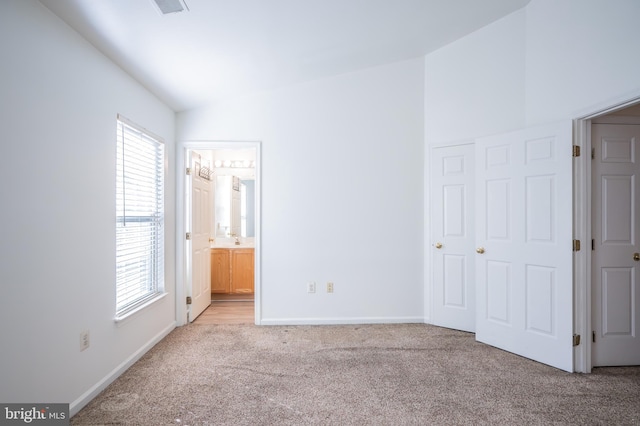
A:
(593, 336)
(576, 151)
(188, 235)
(188, 300)
(576, 339)
(593, 153)
(593, 244)
(188, 171)
(576, 245)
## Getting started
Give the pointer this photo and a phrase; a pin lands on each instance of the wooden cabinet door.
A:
(220, 277)
(242, 271)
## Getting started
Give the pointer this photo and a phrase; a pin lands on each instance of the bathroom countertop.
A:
(232, 246)
(231, 243)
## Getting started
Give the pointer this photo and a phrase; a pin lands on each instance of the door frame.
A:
(182, 268)
(582, 227)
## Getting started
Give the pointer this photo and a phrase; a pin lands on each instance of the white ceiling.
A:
(223, 48)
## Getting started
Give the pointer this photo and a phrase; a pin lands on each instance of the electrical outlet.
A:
(84, 340)
(311, 287)
(329, 287)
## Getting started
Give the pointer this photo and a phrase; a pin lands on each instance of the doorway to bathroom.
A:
(224, 262)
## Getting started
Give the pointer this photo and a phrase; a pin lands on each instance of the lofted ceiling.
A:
(223, 48)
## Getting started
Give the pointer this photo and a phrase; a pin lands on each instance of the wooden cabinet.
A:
(232, 270)
(242, 270)
(220, 269)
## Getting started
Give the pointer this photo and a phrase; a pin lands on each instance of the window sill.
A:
(121, 318)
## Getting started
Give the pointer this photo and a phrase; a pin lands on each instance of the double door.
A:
(502, 241)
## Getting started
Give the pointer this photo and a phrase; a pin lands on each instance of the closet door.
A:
(616, 256)
(524, 255)
(452, 248)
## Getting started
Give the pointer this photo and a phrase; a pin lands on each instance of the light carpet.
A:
(393, 374)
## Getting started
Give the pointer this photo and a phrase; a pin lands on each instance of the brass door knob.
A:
(480, 250)
(636, 257)
(438, 245)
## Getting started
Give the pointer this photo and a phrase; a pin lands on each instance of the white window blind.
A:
(139, 217)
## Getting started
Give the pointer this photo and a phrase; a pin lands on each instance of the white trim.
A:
(86, 397)
(427, 295)
(582, 258)
(607, 107)
(617, 119)
(181, 273)
(342, 321)
(140, 128)
(120, 319)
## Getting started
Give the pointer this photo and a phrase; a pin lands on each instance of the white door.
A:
(616, 234)
(524, 294)
(453, 256)
(201, 206)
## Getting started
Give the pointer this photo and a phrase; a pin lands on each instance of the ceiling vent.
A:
(166, 7)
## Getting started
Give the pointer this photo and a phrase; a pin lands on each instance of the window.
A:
(139, 217)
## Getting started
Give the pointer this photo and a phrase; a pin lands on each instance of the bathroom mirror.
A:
(227, 206)
(234, 192)
(234, 207)
(247, 207)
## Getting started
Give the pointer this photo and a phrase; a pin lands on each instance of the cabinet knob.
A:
(438, 245)
(480, 250)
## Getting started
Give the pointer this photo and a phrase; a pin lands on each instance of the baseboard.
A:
(79, 403)
(340, 321)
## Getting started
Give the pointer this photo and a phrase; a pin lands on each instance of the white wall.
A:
(58, 112)
(547, 62)
(581, 55)
(342, 178)
(476, 86)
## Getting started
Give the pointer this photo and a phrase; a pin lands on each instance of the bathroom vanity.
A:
(232, 270)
